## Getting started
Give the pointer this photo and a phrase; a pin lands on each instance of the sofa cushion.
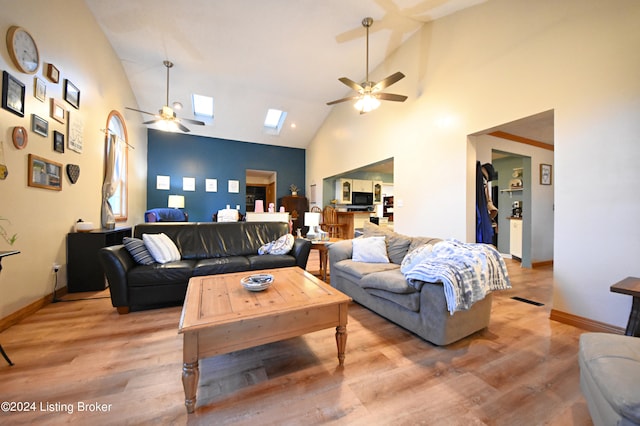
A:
(397, 244)
(220, 265)
(161, 247)
(417, 242)
(204, 240)
(138, 250)
(165, 273)
(370, 250)
(360, 269)
(270, 261)
(410, 301)
(392, 281)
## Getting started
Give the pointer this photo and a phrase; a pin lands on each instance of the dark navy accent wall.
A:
(180, 155)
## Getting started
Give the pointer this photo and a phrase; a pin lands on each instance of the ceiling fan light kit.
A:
(166, 117)
(369, 95)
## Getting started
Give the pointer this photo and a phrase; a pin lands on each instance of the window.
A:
(203, 106)
(118, 202)
(273, 121)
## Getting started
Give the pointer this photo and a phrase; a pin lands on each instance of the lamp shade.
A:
(176, 201)
(311, 219)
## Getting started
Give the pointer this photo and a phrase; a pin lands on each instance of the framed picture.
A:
(545, 174)
(44, 173)
(12, 94)
(58, 141)
(52, 73)
(188, 184)
(71, 94)
(233, 186)
(211, 185)
(39, 125)
(75, 132)
(39, 89)
(163, 182)
(58, 112)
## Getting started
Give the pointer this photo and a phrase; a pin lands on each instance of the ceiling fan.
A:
(166, 114)
(369, 94)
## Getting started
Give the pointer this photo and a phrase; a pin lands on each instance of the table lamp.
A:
(176, 201)
(312, 220)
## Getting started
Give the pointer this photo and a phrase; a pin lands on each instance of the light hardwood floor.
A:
(522, 370)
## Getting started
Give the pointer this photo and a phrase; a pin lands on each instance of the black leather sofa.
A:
(206, 249)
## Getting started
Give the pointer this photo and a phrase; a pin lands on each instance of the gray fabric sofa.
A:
(610, 377)
(382, 288)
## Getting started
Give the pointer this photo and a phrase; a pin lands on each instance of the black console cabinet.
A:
(84, 272)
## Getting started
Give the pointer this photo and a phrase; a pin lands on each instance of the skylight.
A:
(203, 105)
(274, 120)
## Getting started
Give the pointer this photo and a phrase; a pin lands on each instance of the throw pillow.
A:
(397, 244)
(161, 247)
(138, 250)
(415, 257)
(282, 245)
(369, 250)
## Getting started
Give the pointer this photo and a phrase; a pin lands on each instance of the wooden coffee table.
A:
(219, 316)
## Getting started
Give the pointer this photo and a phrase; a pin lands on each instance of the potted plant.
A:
(294, 189)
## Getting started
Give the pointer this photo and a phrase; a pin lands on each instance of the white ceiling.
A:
(251, 55)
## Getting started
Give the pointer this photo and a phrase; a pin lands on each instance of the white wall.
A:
(67, 36)
(495, 63)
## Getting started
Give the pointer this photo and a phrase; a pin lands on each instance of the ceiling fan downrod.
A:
(167, 64)
(367, 22)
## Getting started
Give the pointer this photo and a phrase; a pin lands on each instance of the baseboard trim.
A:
(541, 264)
(30, 309)
(584, 323)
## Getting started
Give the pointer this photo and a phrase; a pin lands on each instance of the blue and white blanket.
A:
(468, 271)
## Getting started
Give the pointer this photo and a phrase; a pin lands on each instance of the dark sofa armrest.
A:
(116, 262)
(301, 249)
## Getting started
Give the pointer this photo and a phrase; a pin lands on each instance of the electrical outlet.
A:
(56, 267)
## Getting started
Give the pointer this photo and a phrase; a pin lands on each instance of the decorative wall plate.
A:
(20, 137)
(73, 172)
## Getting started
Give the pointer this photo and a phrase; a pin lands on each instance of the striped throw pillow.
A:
(138, 250)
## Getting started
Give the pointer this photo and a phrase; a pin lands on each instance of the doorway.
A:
(260, 185)
(526, 144)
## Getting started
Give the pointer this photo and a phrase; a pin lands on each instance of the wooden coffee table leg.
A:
(190, 371)
(341, 331)
(341, 341)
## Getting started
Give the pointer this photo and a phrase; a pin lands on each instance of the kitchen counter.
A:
(354, 220)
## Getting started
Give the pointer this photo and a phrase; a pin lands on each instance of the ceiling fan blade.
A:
(182, 127)
(393, 78)
(390, 97)
(188, 120)
(139, 110)
(355, 86)
(152, 121)
(350, 98)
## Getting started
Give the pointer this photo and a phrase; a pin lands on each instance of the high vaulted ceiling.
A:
(251, 55)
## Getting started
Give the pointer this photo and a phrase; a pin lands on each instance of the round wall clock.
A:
(23, 50)
(20, 137)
